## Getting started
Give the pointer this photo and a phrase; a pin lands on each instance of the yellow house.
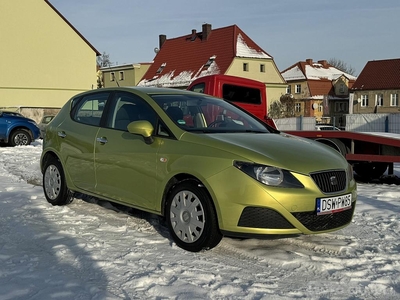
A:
(44, 59)
(226, 50)
(123, 75)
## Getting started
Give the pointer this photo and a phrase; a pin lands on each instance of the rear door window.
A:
(89, 109)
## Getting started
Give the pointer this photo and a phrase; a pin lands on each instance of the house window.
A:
(379, 100)
(320, 108)
(297, 107)
(297, 88)
(262, 68)
(112, 76)
(394, 99)
(121, 75)
(364, 100)
(341, 88)
(289, 89)
(245, 67)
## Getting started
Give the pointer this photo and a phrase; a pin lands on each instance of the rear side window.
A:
(236, 93)
(89, 109)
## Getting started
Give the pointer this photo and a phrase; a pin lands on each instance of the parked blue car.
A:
(17, 130)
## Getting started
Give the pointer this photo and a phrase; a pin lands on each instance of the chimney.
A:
(309, 61)
(324, 63)
(194, 35)
(162, 38)
(206, 31)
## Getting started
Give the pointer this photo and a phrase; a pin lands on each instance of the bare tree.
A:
(275, 110)
(288, 104)
(104, 60)
(342, 66)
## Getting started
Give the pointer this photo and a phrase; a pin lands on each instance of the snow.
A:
(294, 73)
(184, 78)
(317, 72)
(243, 50)
(314, 72)
(91, 249)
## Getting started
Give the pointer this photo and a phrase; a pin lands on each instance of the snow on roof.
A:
(316, 72)
(243, 50)
(293, 74)
(182, 79)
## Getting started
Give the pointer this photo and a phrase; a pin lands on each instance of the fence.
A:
(354, 122)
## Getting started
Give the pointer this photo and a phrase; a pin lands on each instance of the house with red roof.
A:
(377, 88)
(226, 50)
(319, 90)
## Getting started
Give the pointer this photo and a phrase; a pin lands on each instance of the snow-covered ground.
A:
(91, 250)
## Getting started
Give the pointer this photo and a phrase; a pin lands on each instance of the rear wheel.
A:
(191, 217)
(54, 185)
(20, 137)
(372, 170)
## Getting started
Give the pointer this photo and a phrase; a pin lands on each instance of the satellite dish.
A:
(156, 50)
(315, 106)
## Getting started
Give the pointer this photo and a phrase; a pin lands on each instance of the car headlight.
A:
(350, 172)
(269, 175)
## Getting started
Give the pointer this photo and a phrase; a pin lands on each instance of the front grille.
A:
(260, 217)
(313, 222)
(330, 181)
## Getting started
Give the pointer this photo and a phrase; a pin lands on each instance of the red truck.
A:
(371, 155)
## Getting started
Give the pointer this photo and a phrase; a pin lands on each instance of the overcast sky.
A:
(290, 30)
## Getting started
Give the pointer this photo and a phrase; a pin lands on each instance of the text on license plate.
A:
(332, 205)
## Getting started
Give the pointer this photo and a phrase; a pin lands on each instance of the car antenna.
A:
(116, 80)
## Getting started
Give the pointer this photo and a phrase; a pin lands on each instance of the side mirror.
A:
(143, 128)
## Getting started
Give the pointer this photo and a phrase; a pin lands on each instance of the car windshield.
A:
(201, 113)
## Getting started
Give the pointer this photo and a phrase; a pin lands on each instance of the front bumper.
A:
(247, 207)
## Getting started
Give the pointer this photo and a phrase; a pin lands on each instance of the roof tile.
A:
(378, 75)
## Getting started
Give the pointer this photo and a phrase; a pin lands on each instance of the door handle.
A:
(102, 140)
(61, 134)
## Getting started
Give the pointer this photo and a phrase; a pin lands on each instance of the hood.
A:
(280, 150)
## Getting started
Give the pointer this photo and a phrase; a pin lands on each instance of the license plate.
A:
(332, 205)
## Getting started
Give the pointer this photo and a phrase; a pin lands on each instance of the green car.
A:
(207, 166)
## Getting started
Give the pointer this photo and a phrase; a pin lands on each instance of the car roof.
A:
(148, 90)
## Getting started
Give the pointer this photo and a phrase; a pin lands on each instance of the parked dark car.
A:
(43, 124)
(17, 130)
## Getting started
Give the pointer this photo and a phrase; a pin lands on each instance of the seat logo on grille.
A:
(333, 180)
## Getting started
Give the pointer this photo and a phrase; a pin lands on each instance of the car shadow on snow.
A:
(39, 258)
(159, 223)
(156, 221)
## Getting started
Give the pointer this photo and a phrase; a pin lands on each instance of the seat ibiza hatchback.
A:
(207, 166)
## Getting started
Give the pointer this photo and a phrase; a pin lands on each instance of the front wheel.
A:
(54, 185)
(191, 217)
(20, 137)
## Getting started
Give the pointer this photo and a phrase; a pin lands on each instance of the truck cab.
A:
(246, 93)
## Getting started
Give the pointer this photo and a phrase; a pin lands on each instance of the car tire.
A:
(54, 184)
(191, 217)
(20, 137)
(370, 170)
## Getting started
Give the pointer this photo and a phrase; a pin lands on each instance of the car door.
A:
(125, 165)
(77, 136)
